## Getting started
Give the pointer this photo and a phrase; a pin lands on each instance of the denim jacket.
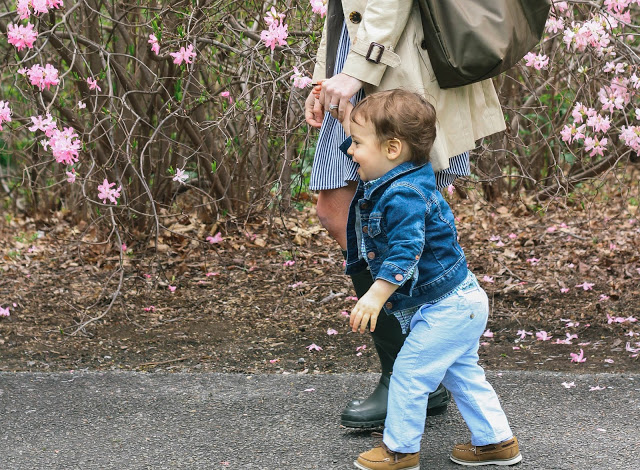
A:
(409, 236)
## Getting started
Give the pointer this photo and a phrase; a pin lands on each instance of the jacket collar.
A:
(389, 176)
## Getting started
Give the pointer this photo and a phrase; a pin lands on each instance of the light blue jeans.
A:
(442, 347)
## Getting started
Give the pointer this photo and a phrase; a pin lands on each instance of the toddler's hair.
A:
(403, 115)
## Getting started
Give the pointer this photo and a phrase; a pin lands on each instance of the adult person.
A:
(374, 45)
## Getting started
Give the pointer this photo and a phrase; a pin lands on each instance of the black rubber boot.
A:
(388, 340)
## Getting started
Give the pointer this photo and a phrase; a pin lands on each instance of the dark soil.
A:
(238, 308)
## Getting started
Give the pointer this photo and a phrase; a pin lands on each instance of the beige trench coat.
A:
(464, 114)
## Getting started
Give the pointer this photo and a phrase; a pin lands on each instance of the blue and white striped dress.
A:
(333, 169)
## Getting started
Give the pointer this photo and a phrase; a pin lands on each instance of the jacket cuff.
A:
(358, 66)
(344, 146)
(393, 274)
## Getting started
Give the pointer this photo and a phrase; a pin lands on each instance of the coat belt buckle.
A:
(372, 46)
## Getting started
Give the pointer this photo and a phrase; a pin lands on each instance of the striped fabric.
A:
(333, 169)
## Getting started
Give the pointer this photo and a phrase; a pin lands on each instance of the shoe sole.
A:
(511, 461)
(377, 423)
(362, 467)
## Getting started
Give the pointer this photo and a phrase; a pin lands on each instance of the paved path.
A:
(127, 420)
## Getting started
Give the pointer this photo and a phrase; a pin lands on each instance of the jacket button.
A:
(388, 305)
(371, 255)
(472, 316)
(399, 277)
(365, 229)
(355, 17)
(364, 205)
(417, 256)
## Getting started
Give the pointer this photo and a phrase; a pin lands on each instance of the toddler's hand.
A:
(366, 311)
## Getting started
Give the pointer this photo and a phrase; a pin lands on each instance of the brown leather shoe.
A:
(504, 453)
(381, 458)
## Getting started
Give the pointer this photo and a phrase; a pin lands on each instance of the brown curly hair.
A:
(402, 115)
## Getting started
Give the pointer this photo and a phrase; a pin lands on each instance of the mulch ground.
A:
(256, 300)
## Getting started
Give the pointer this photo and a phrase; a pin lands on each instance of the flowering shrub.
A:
(572, 104)
(181, 106)
(131, 108)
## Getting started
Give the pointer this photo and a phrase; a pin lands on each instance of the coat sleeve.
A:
(405, 224)
(383, 22)
(319, 71)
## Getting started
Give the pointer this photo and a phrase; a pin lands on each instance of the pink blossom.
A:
(297, 284)
(226, 94)
(488, 279)
(155, 47)
(319, 7)
(351, 297)
(212, 274)
(533, 261)
(180, 176)
(4, 312)
(631, 136)
(568, 384)
(596, 388)
(571, 133)
(107, 192)
(273, 361)
(599, 123)
(513, 236)
(172, 288)
(488, 334)
(604, 297)
(43, 77)
(630, 349)
(299, 79)
(344, 313)
(81, 105)
(537, 61)
(289, 262)
(151, 308)
(64, 145)
(609, 361)
(586, 285)
(361, 348)
(5, 113)
(554, 24)
(523, 334)
(543, 336)
(46, 125)
(217, 238)
(560, 7)
(578, 357)
(21, 36)
(24, 9)
(331, 331)
(277, 30)
(314, 347)
(71, 176)
(187, 55)
(93, 84)
(595, 146)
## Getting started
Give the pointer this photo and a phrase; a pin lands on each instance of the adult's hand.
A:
(313, 112)
(338, 90)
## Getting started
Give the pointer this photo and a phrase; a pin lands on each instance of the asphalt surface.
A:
(128, 420)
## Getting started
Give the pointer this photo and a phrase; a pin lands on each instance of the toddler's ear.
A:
(394, 148)
(347, 119)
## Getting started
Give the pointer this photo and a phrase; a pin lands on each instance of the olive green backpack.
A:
(472, 40)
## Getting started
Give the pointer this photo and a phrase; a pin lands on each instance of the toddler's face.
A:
(368, 152)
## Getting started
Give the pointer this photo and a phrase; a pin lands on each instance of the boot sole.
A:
(440, 410)
(362, 467)
(511, 461)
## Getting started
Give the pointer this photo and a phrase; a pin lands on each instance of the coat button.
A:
(371, 255)
(417, 256)
(365, 229)
(355, 17)
(399, 277)
(364, 205)
(388, 305)
(472, 316)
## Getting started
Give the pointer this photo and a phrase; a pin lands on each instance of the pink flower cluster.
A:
(5, 113)
(21, 36)
(631, 136)
(537, 61)
(44, 124)
(299, 79)
(42, 77)
(65, 145)
(107, 192)
(184, 55)
(39, 6)
(319, 7)
(277, 32)
(155, 47)
(592, 33)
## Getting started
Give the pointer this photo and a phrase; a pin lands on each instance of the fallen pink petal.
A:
(331, 331)
(488, 334)
(597, 387)
(172, 288)
(314, 347)
(568, 384)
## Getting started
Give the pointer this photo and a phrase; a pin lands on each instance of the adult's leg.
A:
(333, 211)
